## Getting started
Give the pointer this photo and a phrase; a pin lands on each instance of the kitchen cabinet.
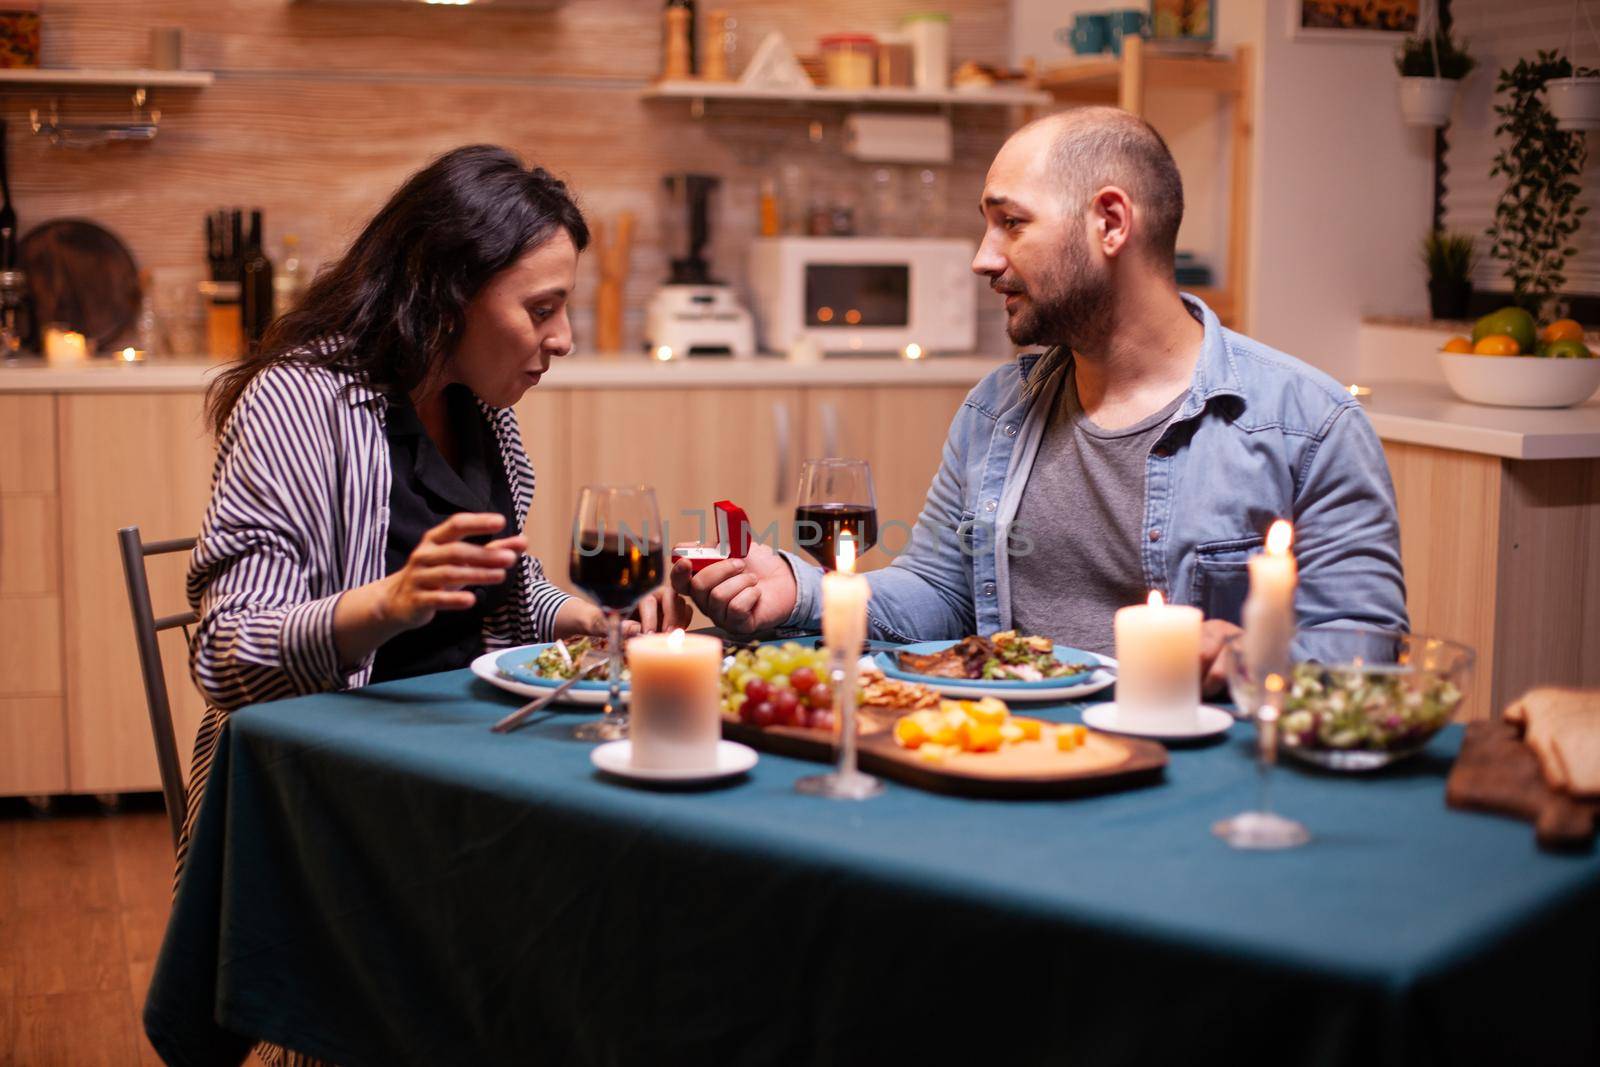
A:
(1503, 555)
(77, 464)
(33, 738)
(696, 446)
(126, 459)
(900, 431)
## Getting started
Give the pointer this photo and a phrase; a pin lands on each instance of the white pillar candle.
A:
(844, 603)
(1158, 665)
(1269, 610)
(64, 347)
(674, 689)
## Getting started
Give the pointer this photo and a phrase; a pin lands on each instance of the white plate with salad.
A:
(534, 670)
(1007, 665)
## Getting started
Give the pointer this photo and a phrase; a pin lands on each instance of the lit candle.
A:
(131, 355)
(64, 347)
(1158, 664)
(844, 603)
(1269, 610)
(674, 690)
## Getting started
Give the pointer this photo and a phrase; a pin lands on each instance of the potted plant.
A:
(1575, 100)
(1431, 68)
(1449, 258)
(1537, 217)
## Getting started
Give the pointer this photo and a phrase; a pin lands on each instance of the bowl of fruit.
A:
(1552, 367)
(1359, 698)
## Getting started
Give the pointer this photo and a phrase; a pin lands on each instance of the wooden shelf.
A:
(1127, 79)
(1000, 96)
(1104, 76)
(119, 78)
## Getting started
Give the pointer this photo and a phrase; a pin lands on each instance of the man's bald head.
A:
(1089, 148)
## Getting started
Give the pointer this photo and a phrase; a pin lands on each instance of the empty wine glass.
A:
(1258, 692)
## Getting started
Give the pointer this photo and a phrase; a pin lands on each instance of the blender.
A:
(694, 314)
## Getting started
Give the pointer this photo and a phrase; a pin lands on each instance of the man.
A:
(1149, 448)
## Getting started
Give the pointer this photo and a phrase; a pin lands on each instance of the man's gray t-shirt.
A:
(1083, 510)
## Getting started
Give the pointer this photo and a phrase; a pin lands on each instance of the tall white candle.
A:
(844, 603)
(673, 700)
(1269, 610)
(1158, 664)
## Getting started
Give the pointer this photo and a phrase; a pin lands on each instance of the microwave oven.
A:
(865, 294)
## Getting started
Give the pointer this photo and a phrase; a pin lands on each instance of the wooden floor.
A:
(83, 902)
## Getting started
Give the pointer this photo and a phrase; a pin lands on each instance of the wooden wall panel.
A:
(320, 112)
(1449, 505)
(27, 443)
(33, 751)
(140, 460)
(1549, 575)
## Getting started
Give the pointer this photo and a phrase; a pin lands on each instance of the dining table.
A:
(376, 878)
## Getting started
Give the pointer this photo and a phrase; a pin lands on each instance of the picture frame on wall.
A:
(1181, 26)
(1353, 20)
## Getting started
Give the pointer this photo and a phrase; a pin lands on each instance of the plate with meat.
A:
(1005, 664)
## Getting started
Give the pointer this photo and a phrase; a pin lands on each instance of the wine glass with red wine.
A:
(836, 497)
(617, 561)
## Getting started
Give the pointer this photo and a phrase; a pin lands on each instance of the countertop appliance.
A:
(866, 294)
(694, 314)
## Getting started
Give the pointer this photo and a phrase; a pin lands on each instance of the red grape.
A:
(820, 696)
(822, 720)
(747, 711)
(803, 678)
(802, 715)
(763, 714)
(756, 690)
(787, 704)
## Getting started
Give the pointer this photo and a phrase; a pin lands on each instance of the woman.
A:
(369, 452)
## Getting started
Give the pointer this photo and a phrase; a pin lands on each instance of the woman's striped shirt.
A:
(299, 515)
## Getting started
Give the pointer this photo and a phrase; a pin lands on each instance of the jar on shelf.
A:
(930, 42)
(851, 60)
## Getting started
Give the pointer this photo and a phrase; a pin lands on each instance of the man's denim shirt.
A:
(1260, 436)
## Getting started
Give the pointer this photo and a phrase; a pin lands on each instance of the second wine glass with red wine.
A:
(617, 561)
(836, 497)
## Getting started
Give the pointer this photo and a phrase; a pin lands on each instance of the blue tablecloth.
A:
(378, 879)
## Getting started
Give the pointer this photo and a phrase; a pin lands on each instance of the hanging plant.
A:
(1431, 66)
(1537, 217)
(1575, 101)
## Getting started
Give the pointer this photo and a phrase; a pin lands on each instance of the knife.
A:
(520, 716)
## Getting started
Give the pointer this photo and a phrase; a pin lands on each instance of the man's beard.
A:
(1067, 306)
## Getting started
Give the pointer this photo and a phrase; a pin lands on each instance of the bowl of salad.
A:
(1359, 698)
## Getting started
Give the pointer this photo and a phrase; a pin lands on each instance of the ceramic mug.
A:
(1123, 23)
(1089, 35)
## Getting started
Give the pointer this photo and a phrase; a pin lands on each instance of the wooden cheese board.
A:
(1026, 770)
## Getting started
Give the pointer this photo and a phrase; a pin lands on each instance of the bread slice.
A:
(1576, 753)
(1571, 715)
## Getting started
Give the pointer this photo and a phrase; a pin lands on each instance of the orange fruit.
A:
(909, 732)
(1458, 344)
(1496, 344)
(1562, 330)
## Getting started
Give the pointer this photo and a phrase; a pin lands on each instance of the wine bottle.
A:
(255, 286)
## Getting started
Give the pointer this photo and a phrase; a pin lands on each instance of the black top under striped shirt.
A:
(424, 491)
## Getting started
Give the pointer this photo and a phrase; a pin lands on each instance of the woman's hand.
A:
(442, 567)
(434, 579)
(661, 610)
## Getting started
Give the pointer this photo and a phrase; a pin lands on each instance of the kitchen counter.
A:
(581, 372)
(1428, 413)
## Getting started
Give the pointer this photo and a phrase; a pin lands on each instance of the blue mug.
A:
(1126, 22)
(1089, 36)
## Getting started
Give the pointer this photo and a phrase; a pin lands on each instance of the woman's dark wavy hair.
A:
(397, 298)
